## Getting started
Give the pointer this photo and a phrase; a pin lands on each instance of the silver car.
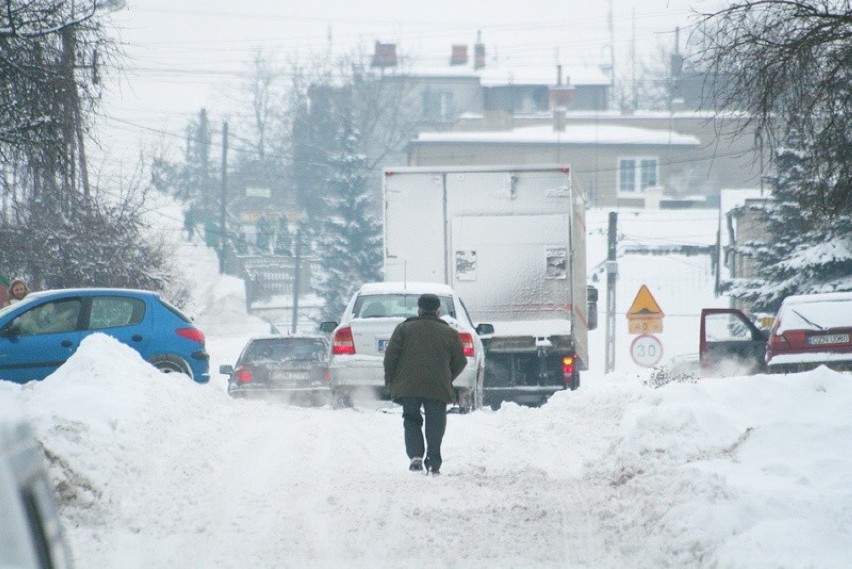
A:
(358, 342)
(31, 536)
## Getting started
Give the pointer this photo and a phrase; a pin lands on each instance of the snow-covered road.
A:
(154, 471)
(157, 472)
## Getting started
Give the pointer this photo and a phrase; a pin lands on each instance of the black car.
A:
(291, 368)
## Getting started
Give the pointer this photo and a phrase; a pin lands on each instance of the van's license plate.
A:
(383, 344)
(832, 339)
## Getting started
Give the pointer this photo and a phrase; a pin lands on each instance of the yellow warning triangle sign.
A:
(644, 305)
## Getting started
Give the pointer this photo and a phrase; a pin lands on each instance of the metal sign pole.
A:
(611, 276)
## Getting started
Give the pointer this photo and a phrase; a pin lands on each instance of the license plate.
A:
(830, 339)
(383, 345)
(290, 375)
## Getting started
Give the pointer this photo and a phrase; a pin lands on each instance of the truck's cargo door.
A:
(512, 267)
(415, 231)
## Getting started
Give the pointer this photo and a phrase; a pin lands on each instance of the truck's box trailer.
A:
(511, 242)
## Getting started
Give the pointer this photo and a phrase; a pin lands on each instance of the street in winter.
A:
(156, 471)
(246, 247)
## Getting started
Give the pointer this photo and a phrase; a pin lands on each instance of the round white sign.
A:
(646, 350)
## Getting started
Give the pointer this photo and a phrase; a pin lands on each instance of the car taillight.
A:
(467, 343)
(343, 343)
(567, 368)
(244, 374)
(778, 342)
(193, 334)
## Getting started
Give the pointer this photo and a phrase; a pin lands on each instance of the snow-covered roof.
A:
(431, 71)
(496, 74)
(732, 198)
(652, 228)
(641, 114)
(573, 134)
(800, 299)
(493, 75)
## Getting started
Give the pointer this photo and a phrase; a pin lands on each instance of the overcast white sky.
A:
(182, 56)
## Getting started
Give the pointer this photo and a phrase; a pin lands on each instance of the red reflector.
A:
(567, 367)
(244, 374)
(344, 344)
(467, 343)
(193, 334)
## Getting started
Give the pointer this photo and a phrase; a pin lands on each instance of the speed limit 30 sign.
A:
(646, 350)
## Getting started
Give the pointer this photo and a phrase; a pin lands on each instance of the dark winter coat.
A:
(423, 358)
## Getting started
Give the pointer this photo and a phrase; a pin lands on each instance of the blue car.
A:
(39, 333)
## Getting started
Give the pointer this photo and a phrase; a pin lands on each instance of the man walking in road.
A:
(423, 357)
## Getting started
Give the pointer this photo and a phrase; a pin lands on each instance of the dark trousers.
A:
(436, 423)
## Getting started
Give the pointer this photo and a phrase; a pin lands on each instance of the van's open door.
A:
(730, 343)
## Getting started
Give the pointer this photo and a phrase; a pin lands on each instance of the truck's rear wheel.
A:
(575, 381)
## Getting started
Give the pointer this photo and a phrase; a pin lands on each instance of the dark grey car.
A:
(290, 368)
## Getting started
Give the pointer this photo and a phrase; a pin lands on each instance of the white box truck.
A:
(510, 240)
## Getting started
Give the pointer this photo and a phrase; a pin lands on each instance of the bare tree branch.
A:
(787, 64)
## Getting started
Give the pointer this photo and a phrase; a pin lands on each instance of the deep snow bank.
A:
(157, 471)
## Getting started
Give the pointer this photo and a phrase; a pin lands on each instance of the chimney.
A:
(479, 52)
(561, 96)
(384, 55)
(459, 55)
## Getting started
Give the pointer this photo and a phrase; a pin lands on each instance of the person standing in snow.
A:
(423, 357)
(17, 291)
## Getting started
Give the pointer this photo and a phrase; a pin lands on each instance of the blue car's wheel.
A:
(171, 364)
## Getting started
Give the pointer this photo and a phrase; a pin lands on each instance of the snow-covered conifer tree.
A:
(809, 249)
(350, 244)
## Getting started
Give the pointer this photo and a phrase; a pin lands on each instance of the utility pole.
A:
(611, 52)
(675, 67)
(633, 63)
(203, 141)
(611, 276)
(223, 198)
(73, 128)
(297, 275)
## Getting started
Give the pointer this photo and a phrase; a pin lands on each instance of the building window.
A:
(626, 175)
(648, 167)
(636, 174)
(437, 105)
